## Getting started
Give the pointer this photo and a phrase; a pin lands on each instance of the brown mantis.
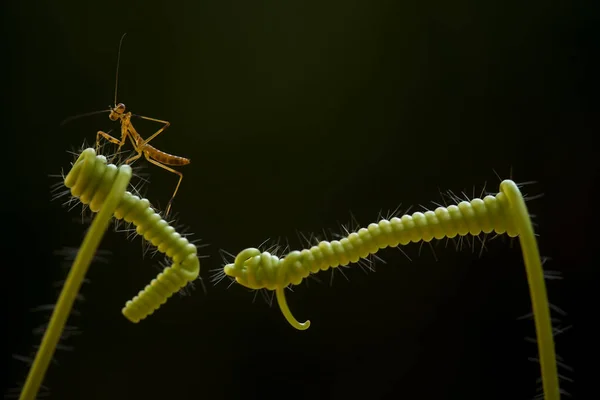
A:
(140, 145)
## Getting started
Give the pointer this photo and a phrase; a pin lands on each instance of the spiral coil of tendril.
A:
(90, 180)
(256, 270)
(505, 212)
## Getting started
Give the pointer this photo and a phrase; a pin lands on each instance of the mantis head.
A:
(116, 112)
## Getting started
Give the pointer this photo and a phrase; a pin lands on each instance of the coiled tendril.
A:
(256, 270)
(90, 180)
(505, 212)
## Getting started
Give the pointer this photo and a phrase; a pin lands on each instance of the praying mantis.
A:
(118, 112)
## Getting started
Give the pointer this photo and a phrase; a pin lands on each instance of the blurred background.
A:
(299, 116)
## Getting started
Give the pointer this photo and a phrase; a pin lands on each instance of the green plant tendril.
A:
(74, 280)
(504, 213)
(88, 180)
(103, 188)
(537, 290)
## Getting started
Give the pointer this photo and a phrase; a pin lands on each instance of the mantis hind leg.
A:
(163, 166)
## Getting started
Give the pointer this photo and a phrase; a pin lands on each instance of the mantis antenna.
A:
(69, 119)
(118, 62)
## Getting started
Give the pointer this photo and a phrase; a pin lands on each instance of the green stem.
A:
(537, 289)
(73, 283)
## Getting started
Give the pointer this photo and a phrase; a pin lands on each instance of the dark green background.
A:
(296, 114)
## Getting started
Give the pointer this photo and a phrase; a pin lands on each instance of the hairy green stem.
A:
(73, 284)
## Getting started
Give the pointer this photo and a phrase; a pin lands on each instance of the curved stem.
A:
(537, 289)
(73, 283)
(302, 326)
